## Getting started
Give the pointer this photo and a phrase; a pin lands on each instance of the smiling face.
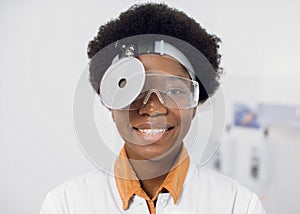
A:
(154, 130)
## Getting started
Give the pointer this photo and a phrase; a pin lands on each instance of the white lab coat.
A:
(204, 192)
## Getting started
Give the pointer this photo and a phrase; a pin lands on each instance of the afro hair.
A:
(153, 18)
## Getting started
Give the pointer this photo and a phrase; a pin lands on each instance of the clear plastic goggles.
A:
(174, 92)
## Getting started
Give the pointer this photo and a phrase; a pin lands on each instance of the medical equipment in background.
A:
(245, 152)
(223, 159)
(261, 166)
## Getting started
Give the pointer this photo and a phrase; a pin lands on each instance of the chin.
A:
(154, 152)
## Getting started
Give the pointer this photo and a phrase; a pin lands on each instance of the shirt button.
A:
(164, 202)
(140, 202)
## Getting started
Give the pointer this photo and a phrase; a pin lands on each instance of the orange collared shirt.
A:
(173, 182)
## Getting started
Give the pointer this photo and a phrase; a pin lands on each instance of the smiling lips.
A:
(150, 134)
(152, 131)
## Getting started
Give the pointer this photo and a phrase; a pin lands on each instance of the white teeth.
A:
(152, 131)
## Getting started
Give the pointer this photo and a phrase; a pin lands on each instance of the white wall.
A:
(43, 51)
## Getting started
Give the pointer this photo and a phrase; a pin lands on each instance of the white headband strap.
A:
(162, 48)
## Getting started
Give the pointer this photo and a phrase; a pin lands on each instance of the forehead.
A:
(163, 64)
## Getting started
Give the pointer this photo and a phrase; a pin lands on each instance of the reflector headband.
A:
(157, 47)
(196, 64)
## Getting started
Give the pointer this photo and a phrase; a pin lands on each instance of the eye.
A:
(175, 91)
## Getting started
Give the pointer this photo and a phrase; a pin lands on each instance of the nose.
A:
(153, 104)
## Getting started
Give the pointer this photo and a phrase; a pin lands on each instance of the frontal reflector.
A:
(122, 83)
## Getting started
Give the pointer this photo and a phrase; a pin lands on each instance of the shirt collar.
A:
(129, 185)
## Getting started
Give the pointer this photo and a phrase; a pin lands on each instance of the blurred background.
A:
(43, 52)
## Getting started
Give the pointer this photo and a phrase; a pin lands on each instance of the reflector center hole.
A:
(122, 83)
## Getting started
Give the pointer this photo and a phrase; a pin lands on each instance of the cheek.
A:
(120, 119)
(122, 122)
(184, 119)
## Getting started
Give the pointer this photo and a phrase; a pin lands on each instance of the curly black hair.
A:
(153, 18)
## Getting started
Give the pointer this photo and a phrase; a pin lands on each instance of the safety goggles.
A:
(173, 92)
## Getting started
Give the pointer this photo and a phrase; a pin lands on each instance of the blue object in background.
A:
(244, 116)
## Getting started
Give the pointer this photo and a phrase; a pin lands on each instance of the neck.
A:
(152, 173)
